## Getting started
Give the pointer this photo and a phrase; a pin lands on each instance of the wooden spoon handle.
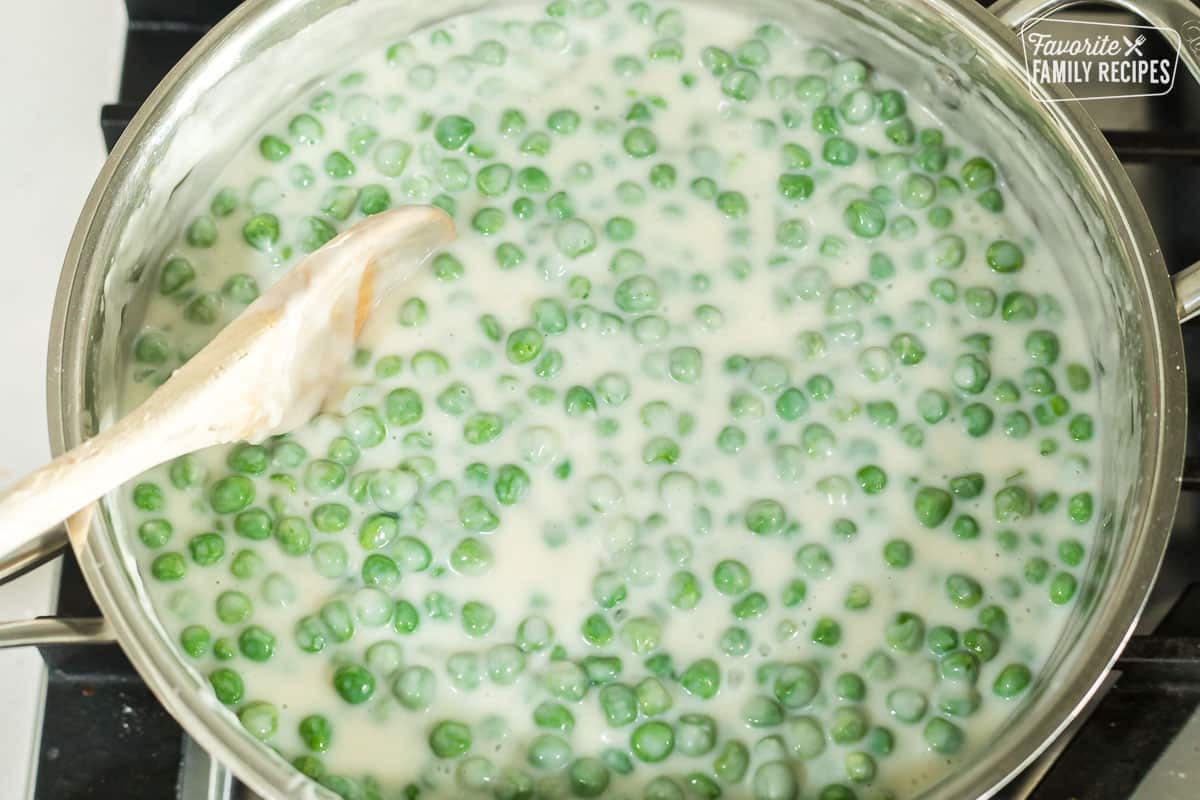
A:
(54, 492)
(265, 372)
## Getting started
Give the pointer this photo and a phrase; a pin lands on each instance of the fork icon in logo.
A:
(1134, 46)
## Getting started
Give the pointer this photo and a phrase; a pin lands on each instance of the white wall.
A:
(62, 61)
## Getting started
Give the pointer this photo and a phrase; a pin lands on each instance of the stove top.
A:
(106, 736)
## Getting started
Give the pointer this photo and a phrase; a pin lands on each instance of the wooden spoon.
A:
(267, 372)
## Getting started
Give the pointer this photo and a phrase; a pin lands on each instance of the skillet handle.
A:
(1181, 16)
(32, 554)
(55, 630)
(46, 631)
(1186, 284)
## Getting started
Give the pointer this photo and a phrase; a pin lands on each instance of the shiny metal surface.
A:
(32, 554)
(1174, 776)
(1187, 292)
(201, 777)
(55, 630)
(957, 56)
(1024, 785)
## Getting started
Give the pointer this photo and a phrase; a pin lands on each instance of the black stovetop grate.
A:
(106, 736)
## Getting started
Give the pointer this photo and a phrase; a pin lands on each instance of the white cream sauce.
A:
(680, 235)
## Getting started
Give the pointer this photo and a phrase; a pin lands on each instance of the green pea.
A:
(1018, 306)
(553, 716)
(735, 641)
(488, 221)
(824, 121)
(414, 687)
(1012, 681)
(806, 736)
(907, 705)
(148, 497)
(640, 142)
(971, 373)
(992, 200)
(740, 84)
(933, 405)
(230, 494)
(931, 158)
(1012, 503)
(978, 173)
(792, 234)
(195, 640)
(176, 273)
(732, 762)
(847, 725)
(881, 741)
(494, 179)
(233, 607)
(450, 739)
(548, 752)
(260, 719)
(982, 643)
(897, 553)
(1062, 588)
(256, 643)
(941, 639)
(524, 345)
(751, 606)
(152, 347)
(482, 427)
(943, 736)
(684, 364)
(795, 186)
(932, 505)
(316, 731)
(917, 191)
(453, 131)
(1005, 256)
(815, 560)
(227, 685)
(968, 486)
(731, 577)
(701, 679)
(206, 549)
(330, 517)
(588, 777)
(872, 479)
(827, 631)
(204, 309)
(864, 218)
(246, 564)
(963, 591)
(860, 767)
(652, 741)
(637, 294)
(168, 567)
(796, 685)
(1078, 377)
(905, 632)
(908, 349)
(839, 152)
(477, 618)
(261, 231)
(977, 419)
